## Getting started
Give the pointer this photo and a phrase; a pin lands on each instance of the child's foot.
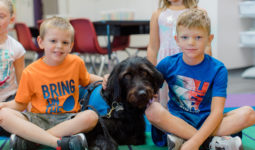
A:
(226, 143)
(18, 143)
(74, 142)
(174, 142)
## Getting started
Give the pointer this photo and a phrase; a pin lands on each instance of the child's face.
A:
(5, 19)
(193, 42)
(57, 44)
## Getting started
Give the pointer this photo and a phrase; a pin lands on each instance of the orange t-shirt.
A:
(53, 89)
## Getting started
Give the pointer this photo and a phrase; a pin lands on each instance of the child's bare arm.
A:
(209, 126)
(94, 78)
(13, 105)
(19, 67)
(153, 47)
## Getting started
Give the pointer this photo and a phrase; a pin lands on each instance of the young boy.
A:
(51, 84)
(197, 90)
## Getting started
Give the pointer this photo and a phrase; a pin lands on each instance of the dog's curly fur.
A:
(133, 82)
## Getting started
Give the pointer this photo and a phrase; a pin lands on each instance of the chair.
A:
(86, 42)
(120, 43)
(24, 36)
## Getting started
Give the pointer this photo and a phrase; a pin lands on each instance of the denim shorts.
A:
(47, 121)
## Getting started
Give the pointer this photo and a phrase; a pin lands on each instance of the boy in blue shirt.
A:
(197, 90)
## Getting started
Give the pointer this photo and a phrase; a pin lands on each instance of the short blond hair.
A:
(194, 18)
(187, 3)
(56, 22)
(9, 5)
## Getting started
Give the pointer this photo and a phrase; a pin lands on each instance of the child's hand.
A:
(105, 79)
(155, 98)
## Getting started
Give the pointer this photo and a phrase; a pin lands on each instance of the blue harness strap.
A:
(91, 95)
(97, 101)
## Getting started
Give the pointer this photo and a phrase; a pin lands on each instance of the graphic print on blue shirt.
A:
(189, 92)
(54, 91)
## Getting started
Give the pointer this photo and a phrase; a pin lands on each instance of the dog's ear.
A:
(158, 78)
(112, 88)
(156, 75)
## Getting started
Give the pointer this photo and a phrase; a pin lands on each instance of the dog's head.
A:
(134, 81)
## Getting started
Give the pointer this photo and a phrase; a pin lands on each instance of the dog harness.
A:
(90, 98)
(91, 95)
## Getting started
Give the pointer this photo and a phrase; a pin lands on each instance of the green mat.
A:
(248, 142)
(249, 138)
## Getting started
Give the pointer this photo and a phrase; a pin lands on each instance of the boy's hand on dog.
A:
(155, 98)
(105, 79)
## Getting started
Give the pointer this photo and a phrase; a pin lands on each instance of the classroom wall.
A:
(24, 11)
(230, 25)
(93, 8)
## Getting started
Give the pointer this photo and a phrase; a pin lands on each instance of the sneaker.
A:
(18, 143)
(74, 142)
(174, 142)
(226, 143)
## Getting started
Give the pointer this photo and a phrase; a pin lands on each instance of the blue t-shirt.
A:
(191, 88)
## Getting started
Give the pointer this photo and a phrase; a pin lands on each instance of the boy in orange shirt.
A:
(51, 85)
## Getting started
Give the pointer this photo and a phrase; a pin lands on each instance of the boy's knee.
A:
(246, 115)
(153, 112)
(248, 112)
(92, 117)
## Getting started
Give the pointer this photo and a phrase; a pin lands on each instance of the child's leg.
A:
(161, 118)
(82, 122)
(14, 122)
(236, 120)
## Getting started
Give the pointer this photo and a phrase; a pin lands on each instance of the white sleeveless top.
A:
(167, 30)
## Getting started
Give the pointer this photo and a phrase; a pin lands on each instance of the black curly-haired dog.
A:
(130, 87)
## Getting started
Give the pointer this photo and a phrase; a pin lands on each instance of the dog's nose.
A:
(141, 93)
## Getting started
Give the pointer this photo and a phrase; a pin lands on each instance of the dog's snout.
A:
(141, 93)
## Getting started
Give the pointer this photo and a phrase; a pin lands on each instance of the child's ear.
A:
(39, 41)
(211, 36)
(176, 39)
(12, 20)
(71, 47)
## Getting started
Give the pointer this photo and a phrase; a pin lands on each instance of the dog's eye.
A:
(143, 73)
(127, 76)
